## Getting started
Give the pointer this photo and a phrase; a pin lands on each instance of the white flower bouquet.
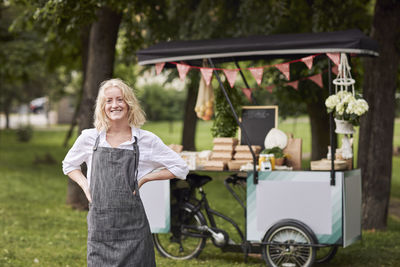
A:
(346, 107)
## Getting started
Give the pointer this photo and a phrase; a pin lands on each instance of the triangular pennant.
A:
(285, 69)
(257, 74)
(335, 57)
(294, 84)
(159, 67)
(270, 87)
(335, 69)
(183, 70)
(247, 93)
(231, 76)
(207, 74)
(308, 61)
(317, 79)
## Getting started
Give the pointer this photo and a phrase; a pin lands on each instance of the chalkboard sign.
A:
(257, 122)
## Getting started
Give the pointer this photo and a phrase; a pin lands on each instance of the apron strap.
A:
(136, 152)
(96, 144)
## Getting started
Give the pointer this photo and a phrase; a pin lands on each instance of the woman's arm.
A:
(80, 179)
(164, 157)
(163, 174)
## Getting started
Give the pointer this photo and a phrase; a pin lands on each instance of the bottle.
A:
(272, 160)
(265, 163)
(261, 159)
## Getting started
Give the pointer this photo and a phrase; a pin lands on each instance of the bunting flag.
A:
(335, 69)
(308, 61)
(317, 79)
(231, 76)
(335, 57)
(270, 87)
(294, 84)
(257, 74)
(207, 75)
(159, 67)
(247, 93)
(285, 69)
(183, 70)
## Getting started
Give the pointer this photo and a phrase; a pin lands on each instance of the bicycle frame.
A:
(211, 212)
(203, 204)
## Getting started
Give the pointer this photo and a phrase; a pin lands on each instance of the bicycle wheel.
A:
(186, 238)
(289, 236)
(325, 254)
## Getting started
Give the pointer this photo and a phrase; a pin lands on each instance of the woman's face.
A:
(115, 107)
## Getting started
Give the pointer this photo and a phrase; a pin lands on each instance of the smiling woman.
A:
(120, 158)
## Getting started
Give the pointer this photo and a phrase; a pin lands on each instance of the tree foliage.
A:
(161, 104)
(22, 71)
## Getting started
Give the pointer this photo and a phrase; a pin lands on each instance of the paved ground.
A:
(34, 119)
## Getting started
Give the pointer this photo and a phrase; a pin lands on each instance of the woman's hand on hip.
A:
(162, 174)
(80, 179)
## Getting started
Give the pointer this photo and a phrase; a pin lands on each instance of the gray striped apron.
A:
(118, 229)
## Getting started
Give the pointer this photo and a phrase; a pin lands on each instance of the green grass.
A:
(38, 229)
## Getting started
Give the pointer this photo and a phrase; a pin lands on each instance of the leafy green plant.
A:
(224, 123)
(24, 133)
(277, 151)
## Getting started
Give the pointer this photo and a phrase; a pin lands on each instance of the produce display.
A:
(205, 101)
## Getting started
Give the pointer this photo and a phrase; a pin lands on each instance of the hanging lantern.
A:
(344, 84)
(344, 81)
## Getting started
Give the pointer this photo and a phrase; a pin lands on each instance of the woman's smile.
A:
(115, 107)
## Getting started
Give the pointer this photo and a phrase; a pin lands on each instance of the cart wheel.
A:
(325, 254)
(186, 239)
(292, 248)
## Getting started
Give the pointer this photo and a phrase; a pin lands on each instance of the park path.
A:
(40, 120)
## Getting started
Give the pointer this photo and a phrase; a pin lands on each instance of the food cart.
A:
(322, 206)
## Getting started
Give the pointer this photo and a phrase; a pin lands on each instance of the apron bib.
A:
(118, 229)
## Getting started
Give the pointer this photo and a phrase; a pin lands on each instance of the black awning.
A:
(259, 47)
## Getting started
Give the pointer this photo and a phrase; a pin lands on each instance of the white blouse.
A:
(154, 153)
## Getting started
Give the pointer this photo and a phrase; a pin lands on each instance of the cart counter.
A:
(332, 212)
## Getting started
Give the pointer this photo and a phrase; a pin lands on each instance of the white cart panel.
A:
(155, 196)
(307, 197)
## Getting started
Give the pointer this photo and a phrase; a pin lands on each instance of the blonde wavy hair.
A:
(136, 115)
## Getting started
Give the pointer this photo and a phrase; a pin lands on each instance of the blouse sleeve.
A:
(163, 156)
(79, 153)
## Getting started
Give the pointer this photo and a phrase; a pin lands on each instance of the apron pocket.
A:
(100, 220)
(111, 224)
(121, 199)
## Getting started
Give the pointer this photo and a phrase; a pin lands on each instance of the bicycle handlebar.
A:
(235, 179)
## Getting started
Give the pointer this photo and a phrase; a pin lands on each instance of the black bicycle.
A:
(190, 228)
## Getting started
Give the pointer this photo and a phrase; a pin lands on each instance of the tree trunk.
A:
(100, 65)
(7, 114)
(376, 132)
(319, 121)
(85, 38)
(190, 118)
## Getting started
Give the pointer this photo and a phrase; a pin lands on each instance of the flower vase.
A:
(343, 127)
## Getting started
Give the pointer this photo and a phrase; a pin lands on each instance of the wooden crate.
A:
(224, 148)
(243, 156)
(234, 165)
(325, 165)
(245, 148)
(225, 141)
(214, 165)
